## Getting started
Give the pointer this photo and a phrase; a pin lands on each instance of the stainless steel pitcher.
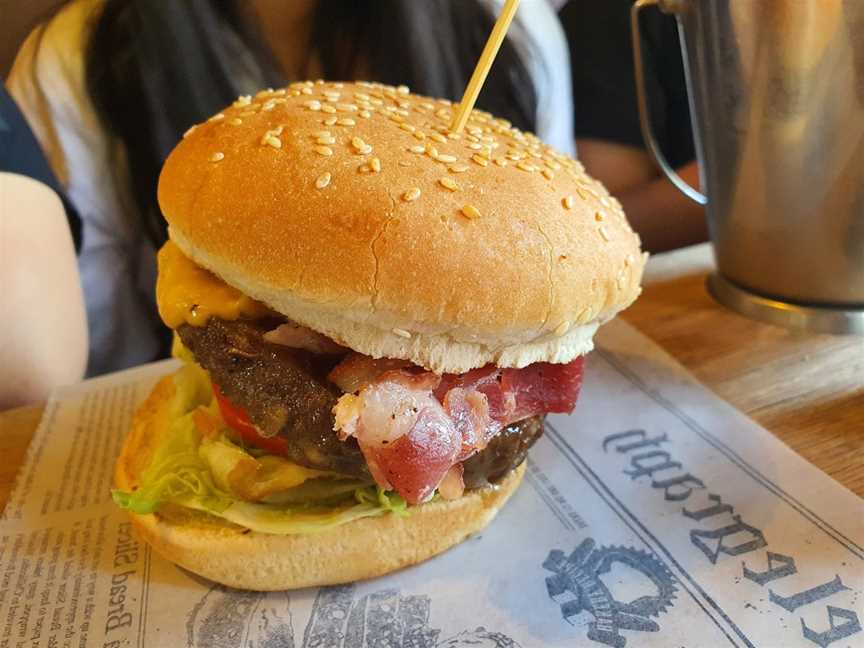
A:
(777, 103)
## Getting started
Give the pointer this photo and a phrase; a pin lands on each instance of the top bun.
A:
(353, 210)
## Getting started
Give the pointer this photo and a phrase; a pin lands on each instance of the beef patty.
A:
(286, 393)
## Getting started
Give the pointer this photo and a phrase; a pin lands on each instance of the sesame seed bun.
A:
(351, 210)
(237, 557)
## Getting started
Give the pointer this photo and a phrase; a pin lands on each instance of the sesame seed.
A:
(501, 162)
(346, 107)
(605, 201)
(323, 180)
(567, 202)
(431, 151)
(268, 106)
(598, 216)
(604, 233)
(411, 195)
(459, 168)
(524, 166)
(582, 194)
(619, 281)
(448, 183)
(190, 130)
(552, 164)
(479, 159)
(217, 157)
(243, 100)
(313, 105)
(547, 173)
(327, 108)
(407, 127)
(470, 212)
(375, 164)
(324, 150)
(401, 333)
(236, 121)
(420, 135)
(323, 133)
(357, 142)
(629, 259)
(306, 91)
(330, 121)
(346, 121)
(365, 114)
(216, 117)
(362, 96)
(403, 90)
(476, 146)
(366, 150)
(562, 328)
(418, 148)
(447, 158)
(329, 139)
(272, 140)
(515, 156)
(438, 137)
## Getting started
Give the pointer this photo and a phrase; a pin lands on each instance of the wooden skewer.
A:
(481, 71)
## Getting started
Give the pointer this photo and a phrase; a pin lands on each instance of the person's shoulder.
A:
(57, 46)
(48, 82)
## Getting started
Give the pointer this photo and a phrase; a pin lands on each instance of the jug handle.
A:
(644, 110)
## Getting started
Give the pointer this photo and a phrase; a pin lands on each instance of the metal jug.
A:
(777, 104)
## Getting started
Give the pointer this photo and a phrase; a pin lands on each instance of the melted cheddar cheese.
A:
(186, 293)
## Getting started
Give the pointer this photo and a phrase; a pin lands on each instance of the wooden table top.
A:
(807, 389)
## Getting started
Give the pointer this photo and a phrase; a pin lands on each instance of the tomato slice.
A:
(238, 420)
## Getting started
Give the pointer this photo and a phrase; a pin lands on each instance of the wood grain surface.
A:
(806, 389)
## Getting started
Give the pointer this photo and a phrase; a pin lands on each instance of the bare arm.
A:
(662, 215)
(44, 340)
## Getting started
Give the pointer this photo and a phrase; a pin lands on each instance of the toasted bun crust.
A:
(236, 557)
(367, 261)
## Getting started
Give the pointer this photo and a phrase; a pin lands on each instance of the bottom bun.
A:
(237, 557)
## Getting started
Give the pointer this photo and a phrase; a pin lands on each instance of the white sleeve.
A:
(47, 81)
(538, 35)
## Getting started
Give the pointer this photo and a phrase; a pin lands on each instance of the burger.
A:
(374, 314)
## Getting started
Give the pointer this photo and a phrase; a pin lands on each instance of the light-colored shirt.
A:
(117, 261)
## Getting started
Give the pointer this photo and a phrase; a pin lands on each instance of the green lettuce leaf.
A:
(188, 471)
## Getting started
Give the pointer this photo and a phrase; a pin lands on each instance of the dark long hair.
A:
(154, 67)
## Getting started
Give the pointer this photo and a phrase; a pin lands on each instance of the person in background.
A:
(110, 86)
(44, 340)
(608, 136)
